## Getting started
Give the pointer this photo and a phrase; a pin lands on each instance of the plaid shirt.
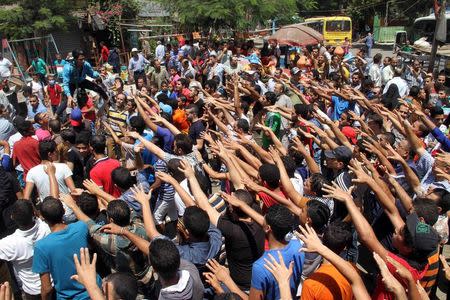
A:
(121, 254)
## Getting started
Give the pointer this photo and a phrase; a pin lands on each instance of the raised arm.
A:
(365, 232)
(312, 243)
(149, 145)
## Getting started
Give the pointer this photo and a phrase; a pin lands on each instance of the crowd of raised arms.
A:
(212, 171)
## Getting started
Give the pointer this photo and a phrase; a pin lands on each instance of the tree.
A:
(232, 14)
(33, 18)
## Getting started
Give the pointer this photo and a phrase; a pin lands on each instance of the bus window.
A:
(337, 26)
(317, 26)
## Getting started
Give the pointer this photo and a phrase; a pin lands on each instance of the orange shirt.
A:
(326, 283)
(180, 120)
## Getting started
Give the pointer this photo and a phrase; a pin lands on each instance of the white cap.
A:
(213, 53)
(134, 50)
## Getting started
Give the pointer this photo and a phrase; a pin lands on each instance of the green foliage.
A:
(232, 14)
(32, 17)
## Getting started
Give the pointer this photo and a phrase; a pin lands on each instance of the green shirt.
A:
(39, 66)
(273, 121)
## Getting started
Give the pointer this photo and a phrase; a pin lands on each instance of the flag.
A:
(441, 26)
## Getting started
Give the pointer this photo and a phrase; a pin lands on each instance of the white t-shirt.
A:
(297, 182)
(18, 248)
(181, 207)
(41, 180)
(37, 89)
(5, 70)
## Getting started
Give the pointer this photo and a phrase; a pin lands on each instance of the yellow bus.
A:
(333, 29)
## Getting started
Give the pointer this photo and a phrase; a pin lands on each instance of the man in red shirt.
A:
(104, 53)
(270, 177)
(26, 150)
(103, 166)
(53, 92)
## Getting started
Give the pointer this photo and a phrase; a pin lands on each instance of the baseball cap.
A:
(295, 70)
(213, 53)
(424, 237)
(349, 133)
(134, 50)
(166, 108)
(341, 153)
(75, 117)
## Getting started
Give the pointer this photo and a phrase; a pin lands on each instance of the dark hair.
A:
(173, 166)
(319, 213)
(69, 135)
(271, 97)
(194, 109)
(23, 126)
(125, 285)
(281, 221)
(390, 137)
(55, 125)
(318, 180)
(98, 143)
(303, 110)
(227, 296)
(377, 58)
(22, 213)
(289, 165)
(196, 221)
(119, 211)
(246, 197)
(38, 117)
(183, 82)
(83, 138)
(138, 123)
(164, 258)
(46, 147)
(88, 204)
(52, 210)
(243, 124)
(376, 118)
(122, 178)
(184, 142)
(270, 174)
(337, 236)
(76, 53)
(444, 203)
(162, 98)
(212, 84)
(427, 209)
(436, 110)
(414, 91)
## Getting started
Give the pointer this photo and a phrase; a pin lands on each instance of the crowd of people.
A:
(221, 171)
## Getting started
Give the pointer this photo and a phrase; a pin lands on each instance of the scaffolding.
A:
(22, 51)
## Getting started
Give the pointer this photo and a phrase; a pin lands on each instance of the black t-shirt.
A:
(195, 130)
(244, 244)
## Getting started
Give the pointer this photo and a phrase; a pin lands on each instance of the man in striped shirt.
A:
(117, 117)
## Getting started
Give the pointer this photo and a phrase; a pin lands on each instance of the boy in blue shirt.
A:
(53, 255)
(278, 222)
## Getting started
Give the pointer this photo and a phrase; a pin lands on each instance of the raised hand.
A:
(165, 177)
(335, 192)
(186, 168)
(445, 266)
(140, 195)
(86, 273)
(278, 269)
(230, 199)
(392, 284)
(251, 185)
(133, 134)
(309, 237)
(361, 176)
(222, 273)
(49, 168)
(91, 186)
(112, 228)
(68, 200)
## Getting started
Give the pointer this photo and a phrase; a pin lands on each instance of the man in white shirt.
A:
(375, 71)
(388, 70)
(401, 83)
(6, 67)
(160, 51)
(37, 176)
(18, 248)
